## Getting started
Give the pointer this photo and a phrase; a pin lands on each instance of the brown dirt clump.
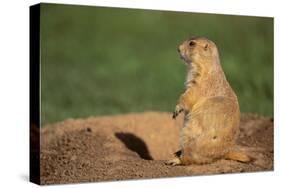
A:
(135, 146)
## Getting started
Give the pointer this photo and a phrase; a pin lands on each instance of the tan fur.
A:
(210, 105)
(237, 156)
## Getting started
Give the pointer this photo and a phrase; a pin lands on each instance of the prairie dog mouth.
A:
(185, 58)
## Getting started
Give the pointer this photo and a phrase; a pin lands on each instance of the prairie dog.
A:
(212, 115)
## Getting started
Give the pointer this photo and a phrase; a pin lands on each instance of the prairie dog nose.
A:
(180, 48)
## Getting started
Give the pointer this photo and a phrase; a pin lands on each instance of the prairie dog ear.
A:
(206, 47)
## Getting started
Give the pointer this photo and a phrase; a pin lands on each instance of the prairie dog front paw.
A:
(178, 110)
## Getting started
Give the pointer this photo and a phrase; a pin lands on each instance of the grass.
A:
(97, 61)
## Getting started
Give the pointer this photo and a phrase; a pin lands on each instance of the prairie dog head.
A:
(198, 50)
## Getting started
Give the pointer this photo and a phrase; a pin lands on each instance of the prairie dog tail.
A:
(243, 153)
(237, 156)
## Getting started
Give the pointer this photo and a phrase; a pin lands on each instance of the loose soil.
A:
(135, 146)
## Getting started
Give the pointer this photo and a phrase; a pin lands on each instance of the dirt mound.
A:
(135, 146)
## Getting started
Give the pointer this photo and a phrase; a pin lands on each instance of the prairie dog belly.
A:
(211, 127)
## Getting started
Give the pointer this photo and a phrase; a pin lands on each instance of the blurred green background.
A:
(101, 61)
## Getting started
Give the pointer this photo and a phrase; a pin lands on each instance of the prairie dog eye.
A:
(191, 43)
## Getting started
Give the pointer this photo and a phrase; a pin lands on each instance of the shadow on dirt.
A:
(135, 144)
